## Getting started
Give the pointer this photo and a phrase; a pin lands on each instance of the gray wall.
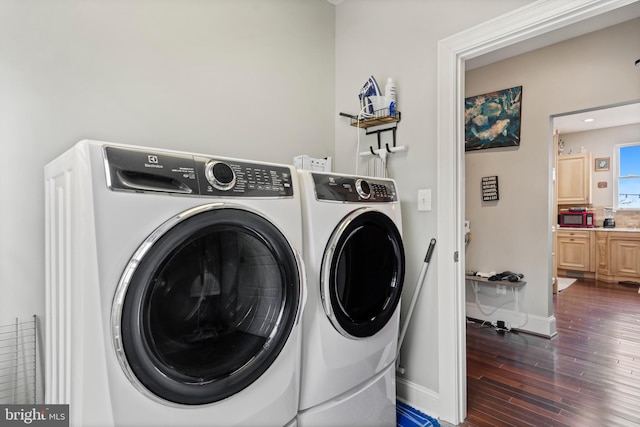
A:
(399, 39)
(251, 79)
(514, 234)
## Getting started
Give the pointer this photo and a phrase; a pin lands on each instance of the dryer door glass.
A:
(209, 306)
(363, 273)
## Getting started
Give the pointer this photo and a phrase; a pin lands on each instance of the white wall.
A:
(249, 79)
(514, 234)
(399, 39)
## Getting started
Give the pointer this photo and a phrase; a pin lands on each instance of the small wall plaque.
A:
(490, 188)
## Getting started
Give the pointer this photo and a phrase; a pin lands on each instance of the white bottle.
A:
(390, 94)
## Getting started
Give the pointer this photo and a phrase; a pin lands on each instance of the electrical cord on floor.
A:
(499, 327)
(517, 306)
(477, 301)
(485, 324)
(479, 324)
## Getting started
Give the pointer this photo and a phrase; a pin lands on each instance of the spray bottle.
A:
(390, 94)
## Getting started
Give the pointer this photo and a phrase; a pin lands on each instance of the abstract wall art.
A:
(493, 119)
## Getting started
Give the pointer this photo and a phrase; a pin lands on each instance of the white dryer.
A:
(354, 257)
(174, 288)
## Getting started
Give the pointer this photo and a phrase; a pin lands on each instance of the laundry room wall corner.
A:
(246, 79)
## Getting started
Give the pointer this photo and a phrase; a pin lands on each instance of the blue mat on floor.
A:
(407, 416)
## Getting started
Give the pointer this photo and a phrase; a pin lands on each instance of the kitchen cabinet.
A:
(574, 179)
(574, 250)
(618, 256)
(609, 255)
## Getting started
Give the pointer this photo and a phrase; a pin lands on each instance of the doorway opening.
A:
(527, 28)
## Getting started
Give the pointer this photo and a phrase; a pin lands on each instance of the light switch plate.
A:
(424, 200)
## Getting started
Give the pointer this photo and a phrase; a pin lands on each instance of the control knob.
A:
(363, 189)
(220, 175)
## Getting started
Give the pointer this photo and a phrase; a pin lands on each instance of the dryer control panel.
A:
(339, 188)
(140, 170)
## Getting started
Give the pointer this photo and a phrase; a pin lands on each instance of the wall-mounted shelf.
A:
(380, 118)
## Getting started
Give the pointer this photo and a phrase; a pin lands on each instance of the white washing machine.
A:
(175, 288)
(354, 257)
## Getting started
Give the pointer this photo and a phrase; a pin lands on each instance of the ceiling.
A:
(620, 115)
(596, 23)
(608, 116)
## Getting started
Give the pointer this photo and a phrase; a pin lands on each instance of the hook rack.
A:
(382, 152)
(378, 132)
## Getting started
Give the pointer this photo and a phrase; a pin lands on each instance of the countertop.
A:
(623, 229)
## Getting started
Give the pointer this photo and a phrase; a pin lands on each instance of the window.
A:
(627, 182)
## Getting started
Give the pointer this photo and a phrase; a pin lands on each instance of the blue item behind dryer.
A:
(407, 416)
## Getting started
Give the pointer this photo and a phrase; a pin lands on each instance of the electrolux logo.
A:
(153, 162)
(36, 415)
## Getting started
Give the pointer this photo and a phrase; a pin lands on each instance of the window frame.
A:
(615, 167)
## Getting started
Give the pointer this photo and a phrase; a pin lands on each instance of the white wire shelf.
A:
(18, 362)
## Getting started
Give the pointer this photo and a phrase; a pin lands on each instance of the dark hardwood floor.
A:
(587, 375)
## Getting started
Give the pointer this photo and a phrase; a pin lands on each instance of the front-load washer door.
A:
(362, 273)
(206, 305)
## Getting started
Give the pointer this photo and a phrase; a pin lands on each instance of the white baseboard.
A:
(544, 326)
(418, 397)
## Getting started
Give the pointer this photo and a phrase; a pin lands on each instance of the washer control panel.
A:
(339, 188)
(226, 177)
(140, 170)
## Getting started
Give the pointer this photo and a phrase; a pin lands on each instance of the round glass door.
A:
(206, 305)
(362, 273)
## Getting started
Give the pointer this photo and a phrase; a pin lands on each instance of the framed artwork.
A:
(602, 164)
(493, 120)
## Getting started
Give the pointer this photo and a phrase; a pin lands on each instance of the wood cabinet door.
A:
(574, 179)
(573, 253)
(625, 258)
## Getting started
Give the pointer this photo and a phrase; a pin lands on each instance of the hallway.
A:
(587, 375)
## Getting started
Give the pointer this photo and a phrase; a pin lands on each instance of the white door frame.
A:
(534, 20)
